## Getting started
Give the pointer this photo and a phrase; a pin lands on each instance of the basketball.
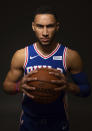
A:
(44, 92)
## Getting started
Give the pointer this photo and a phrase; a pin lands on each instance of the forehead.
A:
(44, 19)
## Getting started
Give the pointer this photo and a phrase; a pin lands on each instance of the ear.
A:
(57, 26)
(33, 26)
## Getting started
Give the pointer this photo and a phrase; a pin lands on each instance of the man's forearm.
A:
(80, 90)
(73, 88)
(81, 80)
(10, 87)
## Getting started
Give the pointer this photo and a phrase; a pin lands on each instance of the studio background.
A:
(16, 32)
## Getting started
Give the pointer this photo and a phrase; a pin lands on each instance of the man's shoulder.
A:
(72, 54)
(73, 59)
(19, 57)
(20, 53)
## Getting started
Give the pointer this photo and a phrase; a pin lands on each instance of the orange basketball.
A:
(44, 92)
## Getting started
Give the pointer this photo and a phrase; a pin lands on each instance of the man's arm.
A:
(16, 78)
(73, 61)
(15, 73)
(75, 68)
(74, 65)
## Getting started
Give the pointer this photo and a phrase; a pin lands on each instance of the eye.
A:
(51, 26)
(39, 26)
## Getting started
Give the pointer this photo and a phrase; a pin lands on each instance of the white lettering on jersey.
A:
(31, 68)
(60, 69)
(57, 57)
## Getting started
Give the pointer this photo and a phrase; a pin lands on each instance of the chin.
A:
(44, 43)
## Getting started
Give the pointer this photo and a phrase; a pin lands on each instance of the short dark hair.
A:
(45, 10)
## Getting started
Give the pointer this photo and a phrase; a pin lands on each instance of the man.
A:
(46, 52)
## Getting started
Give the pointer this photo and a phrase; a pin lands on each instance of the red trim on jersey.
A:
(48, 56)
(64, 58)
(26, 57)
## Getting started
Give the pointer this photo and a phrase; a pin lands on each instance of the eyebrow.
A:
(49, 25)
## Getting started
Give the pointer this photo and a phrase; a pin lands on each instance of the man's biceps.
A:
(14, 74)
(77, 67)
(76, 70)
(14, 71)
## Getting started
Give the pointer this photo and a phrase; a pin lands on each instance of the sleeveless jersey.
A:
(34, 59)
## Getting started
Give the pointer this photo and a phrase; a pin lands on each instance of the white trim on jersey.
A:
(26, 57)
(64, 59)
(48, 56)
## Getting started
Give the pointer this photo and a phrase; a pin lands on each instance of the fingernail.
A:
(50, 73)
(35, 78)
(32, 97)
(52, 80)
(33, 88)
(36, 71)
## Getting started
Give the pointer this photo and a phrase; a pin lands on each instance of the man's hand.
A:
(24, 87)
(61, 82)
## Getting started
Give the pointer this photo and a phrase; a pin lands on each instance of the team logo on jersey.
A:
(57, 57)
(32, 57)
(31, 68)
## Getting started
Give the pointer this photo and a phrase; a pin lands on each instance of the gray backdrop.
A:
(16, 32)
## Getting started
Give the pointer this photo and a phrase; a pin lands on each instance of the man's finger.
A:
(27, 87)
(31, 79)
(57, 74)
(59, 88)
(28, 94)
(32, 72)
(58, 82)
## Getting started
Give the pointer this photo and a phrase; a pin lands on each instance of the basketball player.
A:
(46, 52)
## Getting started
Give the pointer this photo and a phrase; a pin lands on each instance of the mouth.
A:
(44, 39)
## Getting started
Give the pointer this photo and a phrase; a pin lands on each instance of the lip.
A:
(45, 39)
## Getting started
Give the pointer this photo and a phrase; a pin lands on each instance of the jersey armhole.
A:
(64, 58)
(26, 57)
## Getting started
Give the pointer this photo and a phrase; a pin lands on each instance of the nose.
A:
(45, 32)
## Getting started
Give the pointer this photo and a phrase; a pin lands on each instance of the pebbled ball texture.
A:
(44, 92)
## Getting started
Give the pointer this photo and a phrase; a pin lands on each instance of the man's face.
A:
(45, 27)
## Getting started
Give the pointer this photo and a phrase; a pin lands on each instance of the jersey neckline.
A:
(47, 56)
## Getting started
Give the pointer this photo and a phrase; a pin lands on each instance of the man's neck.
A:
(46, 49)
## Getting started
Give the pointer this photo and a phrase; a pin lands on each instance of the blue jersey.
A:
(34, 59)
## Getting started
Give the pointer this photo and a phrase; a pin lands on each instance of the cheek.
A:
(38, 33)
(52, 32)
